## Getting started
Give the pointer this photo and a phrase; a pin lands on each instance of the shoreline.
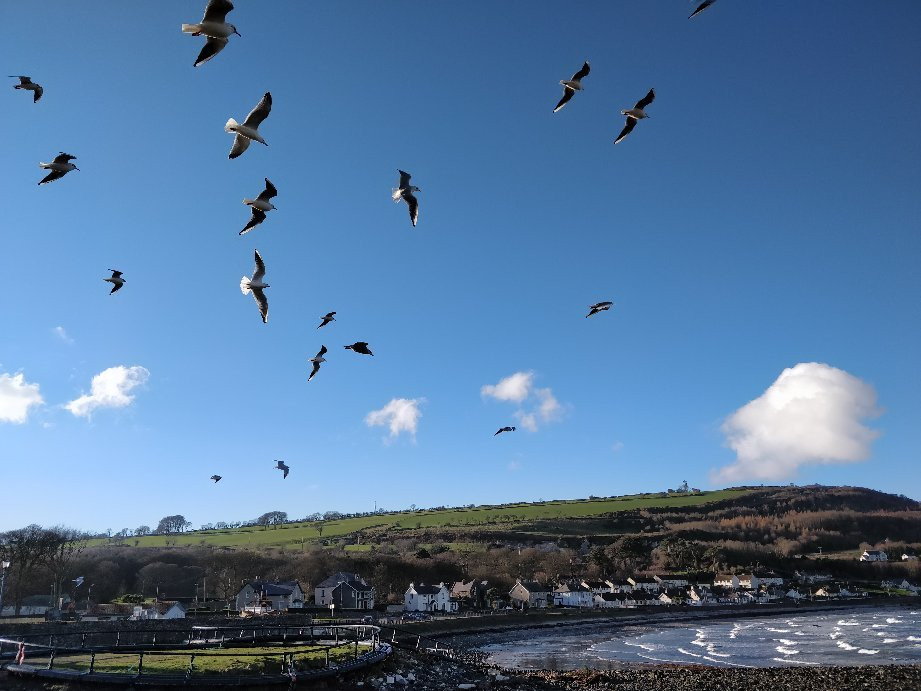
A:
(543, 619)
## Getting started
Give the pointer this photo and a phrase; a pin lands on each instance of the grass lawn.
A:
(242, 661)
(299, 534)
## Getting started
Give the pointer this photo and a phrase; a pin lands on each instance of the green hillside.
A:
(507, 515)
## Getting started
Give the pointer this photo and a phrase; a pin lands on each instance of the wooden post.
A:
(83, 641)
(51, 660)
(118, 635)
(140, 663)
(188, 672)
(92, 662)
(327, 657)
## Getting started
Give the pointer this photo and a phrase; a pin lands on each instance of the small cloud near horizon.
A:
(399, 415)
(111, 388)
(812, 414)
(17, 397)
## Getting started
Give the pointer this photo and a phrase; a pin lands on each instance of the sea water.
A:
(840, 637)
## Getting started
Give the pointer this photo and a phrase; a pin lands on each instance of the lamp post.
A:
(4, 565)
(332, 611)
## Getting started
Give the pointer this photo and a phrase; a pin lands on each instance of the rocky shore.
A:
(409, 670)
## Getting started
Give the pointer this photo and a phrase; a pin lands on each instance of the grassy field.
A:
(508, 515)
(251, 660)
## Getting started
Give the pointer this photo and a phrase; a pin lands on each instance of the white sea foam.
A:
(790, 659)
(893, 620)
(786, 651)
(864, 651)
(890, 640)
(644, 646)
(913, 638)
(879, 626)
(768, 628)
(785, 641)
(688, 652)
(798, 633)
(845, 622)
(846, 646)
(836, 634)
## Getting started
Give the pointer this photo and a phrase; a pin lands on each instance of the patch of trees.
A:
(169, 525)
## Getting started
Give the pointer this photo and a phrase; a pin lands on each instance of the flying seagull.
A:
(60, 166)
(280, 465)
(27, 84)
(316, 362)
(359, 347)
(571, 86)
(116, 280)
(214, 28)
(599, 307)
(701, 7)
(78, 581)
(260, 205)
(256, 285)
(405, 192)
(636, 113)
(216, 478)
(504, 429)
(249, 130)
(327, 318)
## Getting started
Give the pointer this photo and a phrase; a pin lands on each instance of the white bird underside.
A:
(249, 130)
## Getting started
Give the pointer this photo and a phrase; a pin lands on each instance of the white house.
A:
(874, 555)
(670, 580)
(609, 600)
(596, 587)
(698, 595)
(909, 557)
(160, 610)
(647, 584)
(620, 585)
(572, 595)
(429, 598)
(769, 578)
(726, 580)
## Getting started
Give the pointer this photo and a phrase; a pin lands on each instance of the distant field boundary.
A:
(302, 533)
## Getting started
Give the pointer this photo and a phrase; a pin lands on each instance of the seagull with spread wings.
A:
(599, 307)
(260, 205)
(327, 318)
(360, 347)
(116, 280)
(571, 86)
(637, 112)
(701, 7)
(60, 166)
(257, 286)
(214, 27)
(249, 130)
(27, 84)
(280, 465)
(316, 362)
(405, 192)
(216, 478)
(504, 429)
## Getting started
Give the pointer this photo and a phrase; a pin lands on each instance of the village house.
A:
(597, 587)
(670, 580)
(429, 598)
(647, 584)
(344, 590)
(698, 595)
(874, 555)
(769, 578)
(159, 610)
(609, 600)
(620, 585)
(833, 591)
(572, 594)
(794, 594)
(530, 594)
(279, 596)
(470, 594)
(735, 581)
(672, 597)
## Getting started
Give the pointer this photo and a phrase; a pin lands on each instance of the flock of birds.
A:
(217, 32)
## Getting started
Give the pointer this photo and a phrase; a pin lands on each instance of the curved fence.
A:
(200, 656)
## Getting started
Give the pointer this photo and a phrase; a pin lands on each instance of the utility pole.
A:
(4, 565)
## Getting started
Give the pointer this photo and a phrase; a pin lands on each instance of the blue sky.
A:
(765, 216)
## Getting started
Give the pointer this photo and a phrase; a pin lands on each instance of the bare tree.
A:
(64, 545)
(25, 549)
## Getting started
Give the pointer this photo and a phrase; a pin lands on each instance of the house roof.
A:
(465, 588)
(533, 586)
(277, 589)
(596, 585)
(611, 597)
(422, 589)
(357, 586)
(342, 577)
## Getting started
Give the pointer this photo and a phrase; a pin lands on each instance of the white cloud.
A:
(16, 397)
(811, 414)
(111, 388)
(519, 388)
(61, 333)
(400, 415)
(515, 387)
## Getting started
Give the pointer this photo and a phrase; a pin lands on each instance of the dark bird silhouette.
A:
(316, 362)
(216, 478)
(280, 465)
(260, 205)
(570, 86)
(327, 318)
(116, 280)
(638, 112)
(27, 84)
(504, 429)
(359, 347)
(701, 7)
(405, 192)
(599, 307)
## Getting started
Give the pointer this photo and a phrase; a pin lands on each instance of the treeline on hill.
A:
(781, 528)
